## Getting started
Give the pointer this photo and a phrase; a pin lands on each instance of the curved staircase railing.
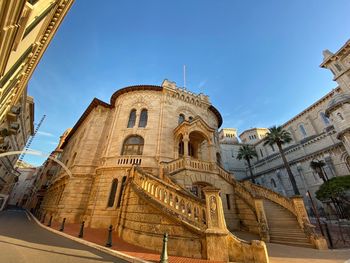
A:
(272, 196)
(186, 207)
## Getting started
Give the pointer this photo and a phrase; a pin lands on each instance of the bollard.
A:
(50, 221)
(62, 225)
(43, 219)
(109, 238)
(164, 255)
(81, 232)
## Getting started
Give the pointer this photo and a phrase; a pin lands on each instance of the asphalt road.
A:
(22, 241)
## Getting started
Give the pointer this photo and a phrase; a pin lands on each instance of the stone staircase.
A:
(283, 226)
(197, 221)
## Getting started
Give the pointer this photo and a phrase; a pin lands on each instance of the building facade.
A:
(150, 162)
(25, 186)
(26, 29)
(319, 133)
(22, 127)
(229, 147)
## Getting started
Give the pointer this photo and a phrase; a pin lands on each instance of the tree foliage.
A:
(277, 135)
(334, 188)
(246, 152)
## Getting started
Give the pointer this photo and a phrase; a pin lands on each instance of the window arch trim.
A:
(133, 145)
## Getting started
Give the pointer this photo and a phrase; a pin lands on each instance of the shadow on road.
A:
(16, 224)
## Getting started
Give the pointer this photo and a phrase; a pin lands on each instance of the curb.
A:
(90, 244)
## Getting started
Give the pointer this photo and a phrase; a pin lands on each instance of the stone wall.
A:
(144, 224)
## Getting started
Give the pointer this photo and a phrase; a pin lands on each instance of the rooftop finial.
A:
(327, 54)
(184, 76)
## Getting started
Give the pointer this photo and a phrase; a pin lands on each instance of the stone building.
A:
(22, 127)
(320, 132)
(26, 29)
(149, 162)
(25, 186)
(229, 147)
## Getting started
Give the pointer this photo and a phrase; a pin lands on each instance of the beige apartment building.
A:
(149, 162)
(320, 132)
(22, 127)
(26, 29)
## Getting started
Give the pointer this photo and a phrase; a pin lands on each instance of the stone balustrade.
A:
(174, 165)
(225, 175)
(129, 160)
(186, 207)
(199, 165)
(271, 195)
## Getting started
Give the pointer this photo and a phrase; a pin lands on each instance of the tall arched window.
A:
(324, 118)
(121, 191)
(132, 118)
(143, 118)
(112, 193)
(181, 148)
(133, 145)
(273, 183)
(181, 118)
(302, 130)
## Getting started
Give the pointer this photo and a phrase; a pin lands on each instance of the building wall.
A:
(23, 188)
(27, 28)
(22, 118)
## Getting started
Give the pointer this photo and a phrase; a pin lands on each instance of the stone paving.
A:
(99, 236)
(277, 253)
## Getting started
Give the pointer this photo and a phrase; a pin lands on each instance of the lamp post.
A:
(315, 211)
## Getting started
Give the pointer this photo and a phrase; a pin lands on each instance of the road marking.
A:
(28, 216)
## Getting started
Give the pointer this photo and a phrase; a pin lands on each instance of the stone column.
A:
(299, 207)
(262, 221)
(216, 233)
(186, 141)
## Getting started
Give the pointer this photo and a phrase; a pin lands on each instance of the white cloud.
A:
(202, 83)
(45, 134)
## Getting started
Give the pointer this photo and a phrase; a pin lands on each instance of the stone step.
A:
(284, 231)
(292, 240)
(307, 245)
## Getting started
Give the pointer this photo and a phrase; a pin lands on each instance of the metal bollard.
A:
(62, 225)
(43, 219)
(81, 232)
(50, 221)
(109, 238)
(328, 235)
(164, 255)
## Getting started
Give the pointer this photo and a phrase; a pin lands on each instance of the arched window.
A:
(132, 118)
(340, 116)
(143, 118)
(133, 145)
(112, 193)
(272, 147)
(302, 130)
(121, 191)
(181, 118)
(181, 148)
(190, 119)
(324, 118)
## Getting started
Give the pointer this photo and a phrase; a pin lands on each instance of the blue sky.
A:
(257, 60)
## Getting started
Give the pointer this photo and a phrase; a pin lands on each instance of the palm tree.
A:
(278, 136)
(317, 166)
(247, 153)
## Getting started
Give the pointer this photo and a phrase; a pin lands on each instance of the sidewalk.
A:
(99, 236)
(277, 253)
